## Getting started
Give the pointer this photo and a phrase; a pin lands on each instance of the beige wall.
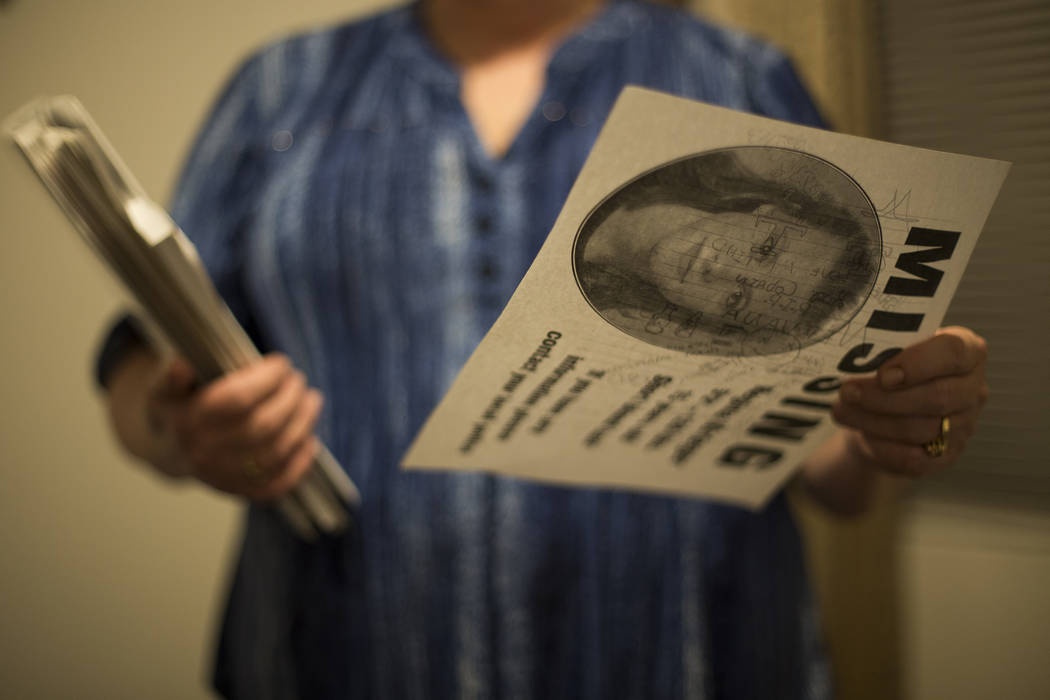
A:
(975, 597)
(110, 577)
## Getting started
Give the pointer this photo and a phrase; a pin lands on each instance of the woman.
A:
(366, 198)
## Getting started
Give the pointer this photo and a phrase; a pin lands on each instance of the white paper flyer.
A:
(710, 279)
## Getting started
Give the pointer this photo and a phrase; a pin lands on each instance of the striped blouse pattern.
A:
(350, 217)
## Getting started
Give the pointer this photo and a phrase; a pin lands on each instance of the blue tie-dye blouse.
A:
(352, 220)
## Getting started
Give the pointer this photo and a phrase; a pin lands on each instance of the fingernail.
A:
(851, 393)
(894, 376)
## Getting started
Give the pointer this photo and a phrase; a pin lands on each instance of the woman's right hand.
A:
(249, 433)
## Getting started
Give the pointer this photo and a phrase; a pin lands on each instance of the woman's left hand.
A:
(901, 409)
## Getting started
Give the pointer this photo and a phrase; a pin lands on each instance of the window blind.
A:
(973, 76)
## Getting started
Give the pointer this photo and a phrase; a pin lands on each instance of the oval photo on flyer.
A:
(746, 251)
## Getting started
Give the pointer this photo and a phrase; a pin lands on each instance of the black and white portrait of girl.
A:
(744, 251)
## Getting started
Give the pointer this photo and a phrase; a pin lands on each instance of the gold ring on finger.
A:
(939, 445)
(253, 471)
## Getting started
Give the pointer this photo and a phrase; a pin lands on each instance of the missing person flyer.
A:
(710, 280)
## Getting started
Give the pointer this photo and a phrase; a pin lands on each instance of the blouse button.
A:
(554, 111)
(281, 140)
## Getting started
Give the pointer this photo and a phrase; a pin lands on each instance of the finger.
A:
(271, 417)
(297, 466)
(228, 470)
(911, 460)
(238, 467)
(251, 435)
(938, 397)
(898, 458)
(951, 352)
(298, 430)
(178, 380)
(238, 392)
(908, 430)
